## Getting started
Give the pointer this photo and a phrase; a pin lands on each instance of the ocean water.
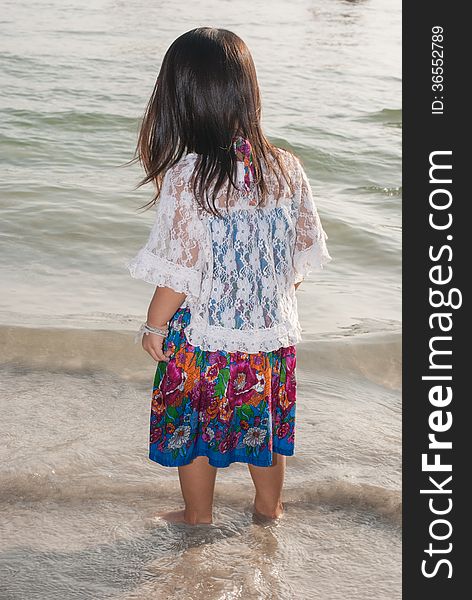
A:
(77, 491)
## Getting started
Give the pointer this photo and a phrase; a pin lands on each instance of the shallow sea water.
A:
(77, 491)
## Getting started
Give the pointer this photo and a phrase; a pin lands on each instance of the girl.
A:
(236, 231)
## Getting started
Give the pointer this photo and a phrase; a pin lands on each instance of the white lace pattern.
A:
(238, 270)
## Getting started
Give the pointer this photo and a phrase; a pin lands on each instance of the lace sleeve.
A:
(310, 252)
(174, 254)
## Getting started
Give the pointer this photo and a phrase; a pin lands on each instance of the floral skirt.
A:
(228, 406)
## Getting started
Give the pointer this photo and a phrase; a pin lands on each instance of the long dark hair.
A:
(205, 94)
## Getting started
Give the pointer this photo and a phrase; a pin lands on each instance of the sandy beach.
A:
(77, 490)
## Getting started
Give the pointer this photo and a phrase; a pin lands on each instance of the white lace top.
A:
(238, 271)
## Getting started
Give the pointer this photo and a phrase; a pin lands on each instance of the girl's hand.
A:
(152, 343)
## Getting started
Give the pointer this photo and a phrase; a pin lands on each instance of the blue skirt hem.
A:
(164, 460)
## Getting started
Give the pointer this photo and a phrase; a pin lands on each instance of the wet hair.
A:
(205, 94)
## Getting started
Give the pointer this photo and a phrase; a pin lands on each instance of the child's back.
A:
(236, 229)
(238, 269)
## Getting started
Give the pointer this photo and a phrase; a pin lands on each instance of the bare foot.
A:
(180, 516)
(271, 515)
(173, 516)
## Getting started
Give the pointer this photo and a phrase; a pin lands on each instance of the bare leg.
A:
(268, 482)
(197, 482)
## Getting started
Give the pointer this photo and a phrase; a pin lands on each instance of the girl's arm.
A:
(164, 303)
(310, 251)
(174, 256)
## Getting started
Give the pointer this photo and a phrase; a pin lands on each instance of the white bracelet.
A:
(147, 329)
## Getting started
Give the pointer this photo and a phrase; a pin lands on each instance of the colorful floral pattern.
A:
(229, 406)
(243, 150)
